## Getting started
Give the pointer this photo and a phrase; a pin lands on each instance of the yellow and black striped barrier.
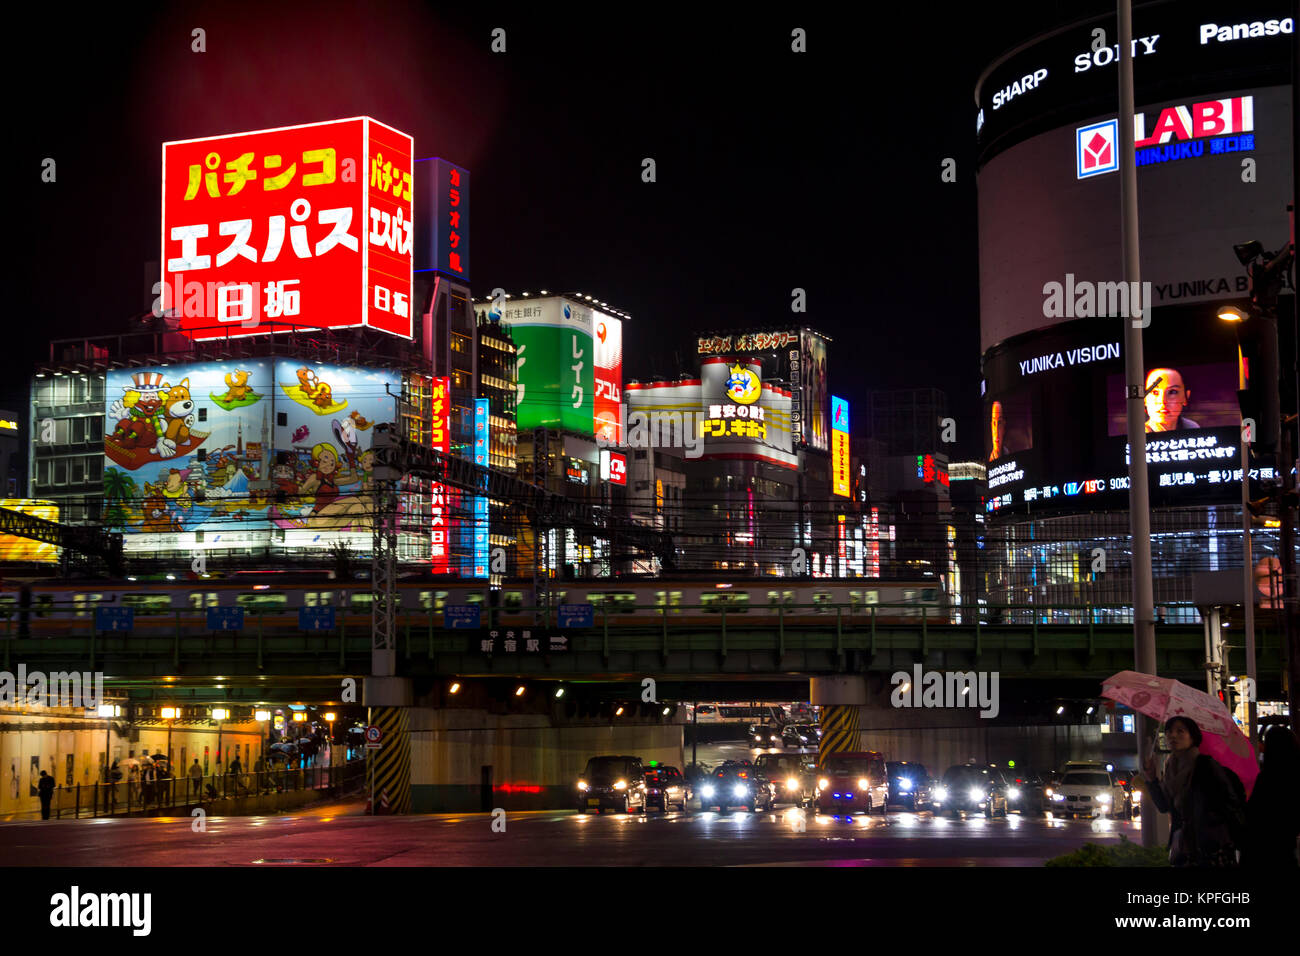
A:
(391, 763)
(839, 730)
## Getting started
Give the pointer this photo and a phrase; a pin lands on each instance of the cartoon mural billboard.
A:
(202, 448)
(324, 464)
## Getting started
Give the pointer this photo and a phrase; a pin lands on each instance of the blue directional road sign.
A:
(462, 617)
(114, 618)
(225, 619)
(576, 615)
(316, 618)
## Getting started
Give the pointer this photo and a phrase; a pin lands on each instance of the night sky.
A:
(775, 170)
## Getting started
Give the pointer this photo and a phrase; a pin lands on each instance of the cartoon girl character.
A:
(331, 509)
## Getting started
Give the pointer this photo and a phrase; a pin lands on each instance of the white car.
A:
(1090, 793)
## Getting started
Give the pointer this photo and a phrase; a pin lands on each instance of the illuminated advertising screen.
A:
(840, 479)
(303, 225)
(216, 454)
(813, 389)
(794, 356)
(1056, 432)
(556, 362)
(608, 350)
(15, 548)
(744, 417)
(440, 440)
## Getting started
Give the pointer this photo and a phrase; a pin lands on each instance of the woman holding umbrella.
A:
(1205, 805)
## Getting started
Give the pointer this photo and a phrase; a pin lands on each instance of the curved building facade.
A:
(1214, 139)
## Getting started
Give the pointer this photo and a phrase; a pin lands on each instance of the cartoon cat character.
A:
(158, 517)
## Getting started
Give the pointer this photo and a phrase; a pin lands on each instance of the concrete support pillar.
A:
(841, 700)
(389, 767)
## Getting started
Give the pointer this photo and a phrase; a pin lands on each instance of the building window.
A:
(60, 471)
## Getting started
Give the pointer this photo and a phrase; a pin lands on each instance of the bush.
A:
(1125, 853)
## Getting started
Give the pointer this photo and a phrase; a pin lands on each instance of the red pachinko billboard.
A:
(306, 226)
(440, 439)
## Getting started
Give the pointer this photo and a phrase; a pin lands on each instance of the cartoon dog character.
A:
(239, 387)
(314, 388)
(178, 411)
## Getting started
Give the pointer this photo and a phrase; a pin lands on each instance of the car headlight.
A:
(1058, 798)
(941, 793)
(823, 783)
(863, 783)
(976, 793)
(740, 790)
(1104, 798)
(1048, 791)
(621, 785)
(791, 783)
(1137, 796)
(674, 790)
(582, 785)
(708, 790)
(904, 784)
(1014, 793)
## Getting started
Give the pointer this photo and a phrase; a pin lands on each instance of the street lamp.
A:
(169, 715)
(219, 714)
(1237, 317)
(329, 719)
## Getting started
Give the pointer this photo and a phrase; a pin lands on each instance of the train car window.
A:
(84, 603)
(433, 600)
(780, 597)
(615, 602)
(361, 599)
(202, 599)
(474, 598)
(318, 598)
(262, 600)
(148, 603)
(513, 600)
(821, 598)
(930, 594)
(714, 602)
(910, 596)
(673, 599)
(863, 599)
(7, 604)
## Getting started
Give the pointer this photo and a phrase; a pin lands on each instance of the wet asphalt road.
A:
(343, 835)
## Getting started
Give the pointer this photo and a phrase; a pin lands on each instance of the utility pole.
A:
(1144, 634)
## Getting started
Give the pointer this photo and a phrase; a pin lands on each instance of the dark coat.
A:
(1272, 819)
(45, 788)
(1198, 838)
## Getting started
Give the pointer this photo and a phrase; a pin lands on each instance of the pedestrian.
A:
(147, 776)
(115, 776)
(1273, 811)
(1205, 801)
(235, 769)
(196, 778)
(46, 791)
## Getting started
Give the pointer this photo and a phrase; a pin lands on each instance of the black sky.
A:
(775, 170)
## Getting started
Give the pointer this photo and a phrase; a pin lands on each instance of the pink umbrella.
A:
(1164, 697)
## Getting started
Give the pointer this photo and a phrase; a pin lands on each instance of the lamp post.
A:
(169, 715)
(329, 719)
(219, 714)
(1236, 316)
(261, 716)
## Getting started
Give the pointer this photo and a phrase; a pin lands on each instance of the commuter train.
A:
(272, 600)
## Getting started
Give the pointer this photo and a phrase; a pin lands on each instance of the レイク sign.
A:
(303, 225)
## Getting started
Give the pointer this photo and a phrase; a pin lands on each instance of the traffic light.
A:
(1257, 379)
